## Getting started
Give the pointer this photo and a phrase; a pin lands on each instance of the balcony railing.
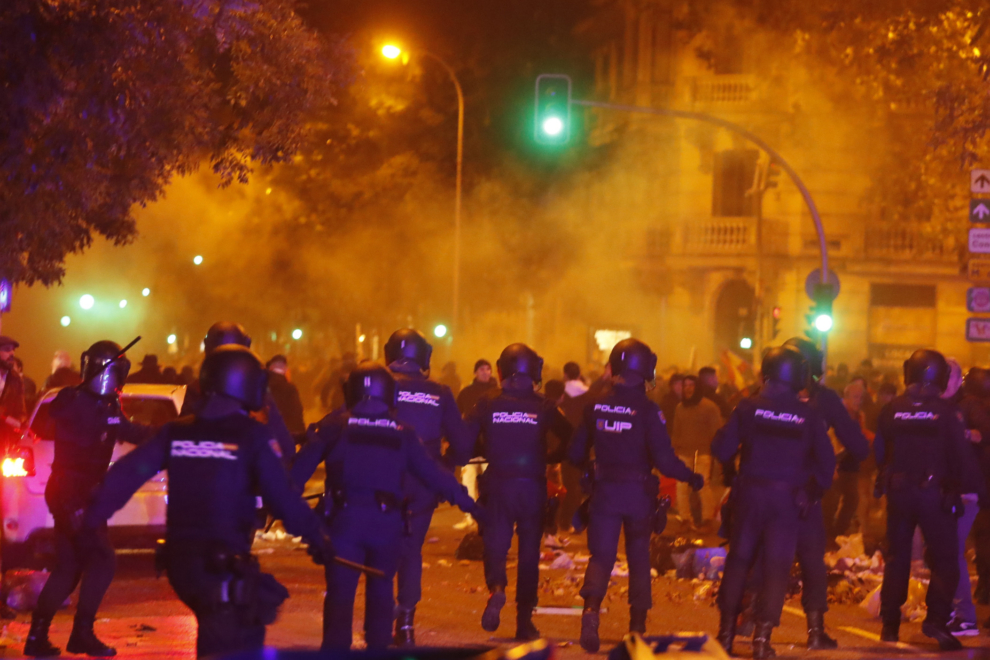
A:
(908, 241)
(714, 236)
(723, 89)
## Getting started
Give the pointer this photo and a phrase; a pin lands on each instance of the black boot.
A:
(727, 631)
(490, 617)
(84, 640)
(38, 645)
(761, 641)
(637, 620)
(525, 630)
(405, 634)
(589, 625)
(747, 617)
(946, 641)
(890, 630)
(818, 639)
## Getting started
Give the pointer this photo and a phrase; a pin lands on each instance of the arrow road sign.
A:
(979, 241)
(979, 181)
(977, 329)
(979, 210)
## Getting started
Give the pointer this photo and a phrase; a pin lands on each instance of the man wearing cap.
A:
(11, 390)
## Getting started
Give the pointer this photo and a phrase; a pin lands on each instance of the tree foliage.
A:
(104, 101)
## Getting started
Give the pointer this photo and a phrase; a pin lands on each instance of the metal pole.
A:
(758, 141)
(457, 189)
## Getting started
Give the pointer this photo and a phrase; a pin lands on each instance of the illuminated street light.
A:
(746, 343)
(391, 51)
(123, 304)
(145, 292)
(170, 339)
(87, 301)
(65, 321)
(361, 339)
(297, 334)
(823, 322)
(440, 331)
(198, 259)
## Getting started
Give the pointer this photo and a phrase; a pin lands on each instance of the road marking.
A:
(859, 632)
(793, 610)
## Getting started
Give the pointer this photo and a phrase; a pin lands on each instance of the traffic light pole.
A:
(758, 141)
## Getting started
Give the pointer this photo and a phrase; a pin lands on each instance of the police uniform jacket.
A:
(780, 439)
(830, 407)
(216, 467)
(430, 409)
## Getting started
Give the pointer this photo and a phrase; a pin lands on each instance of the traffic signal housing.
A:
(552, 121)
(775, 322)
(822, 310)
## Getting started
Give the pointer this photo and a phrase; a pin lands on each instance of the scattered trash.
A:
(464, 562)
(472, 547)
(21, 588)
(563, 560)
(444, 562)
(913, 608)
(621, 569)
(555, 542)
(436, 539)
(425, 565)
(709, 563)
(704, 590)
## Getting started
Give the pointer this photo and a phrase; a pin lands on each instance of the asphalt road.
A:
(142, 617)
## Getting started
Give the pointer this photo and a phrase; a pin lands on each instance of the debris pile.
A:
(21, 588)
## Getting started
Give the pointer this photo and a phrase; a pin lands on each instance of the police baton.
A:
(367, 570)
(119, 355)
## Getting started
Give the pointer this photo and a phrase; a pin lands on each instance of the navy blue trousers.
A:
(514, 506)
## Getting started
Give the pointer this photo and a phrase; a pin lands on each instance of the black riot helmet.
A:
(369, 382)
(927, 368)
(786, 365)
(236, 372)
(222, 333)
(811, 353)
(520, 360)
(977, 382)
(409, 344)
(631, 360)
(104, 369)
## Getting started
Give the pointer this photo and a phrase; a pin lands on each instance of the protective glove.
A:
(696, 482)
(321, 548)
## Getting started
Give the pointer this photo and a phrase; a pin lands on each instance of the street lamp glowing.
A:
(553, 126)
(391, 51)
(297, 334)
(170, 339)
(65, 321)
(823, 323)
(123, 304)
(745, 343)
(440, 331)
(198, 259)
(145, 292)
(87, 301)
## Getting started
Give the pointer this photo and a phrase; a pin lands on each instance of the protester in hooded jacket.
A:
(698, 419)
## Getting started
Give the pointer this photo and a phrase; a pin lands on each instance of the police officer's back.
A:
(513, 427)
(925, 464)
(217, 462)
(89, 422)
(368, 454)
(430, 409)
(628, 434)
(783, 445)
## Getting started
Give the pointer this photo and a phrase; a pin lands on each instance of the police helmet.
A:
(410, 344)
(222, 333)
(236, 372)
(104, 369)
(787, 365)
(977, 382)
(369, 382)
(632, 358)
(811, 353)
(927, 368)
(520, 360)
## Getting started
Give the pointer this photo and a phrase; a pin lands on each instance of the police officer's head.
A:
(927, 368)
(811, 353)
(632, 363)
(370, 387)
(235, 372)
(786, 365)
(223, 333)
(104, 369)
(977, 382)
(410, 345)
(520, 361)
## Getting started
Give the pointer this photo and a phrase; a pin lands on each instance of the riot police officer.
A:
(513, 428)
(628, 433)
(216, 462)
(430, 409)
(223, 333)
(88, 423)
(924, 464)
(783, 446)
(368, 453)
(812, 534)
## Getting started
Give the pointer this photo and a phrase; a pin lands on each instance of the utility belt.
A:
(950, 495)
(339, 498)
(619, 473)
(805, 497)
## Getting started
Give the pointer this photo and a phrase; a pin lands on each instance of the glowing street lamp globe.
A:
(65, 321)
(391, 51)
(297, 334)
(440, 331)
(87, 301)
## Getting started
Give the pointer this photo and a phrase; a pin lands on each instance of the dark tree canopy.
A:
(105, 100)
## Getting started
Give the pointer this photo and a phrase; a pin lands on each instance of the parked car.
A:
(27, 524)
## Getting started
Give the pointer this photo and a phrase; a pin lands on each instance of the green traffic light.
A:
(553, 126)
(823, 322)
(746, 343)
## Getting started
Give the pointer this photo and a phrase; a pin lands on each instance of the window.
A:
(734, 173)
